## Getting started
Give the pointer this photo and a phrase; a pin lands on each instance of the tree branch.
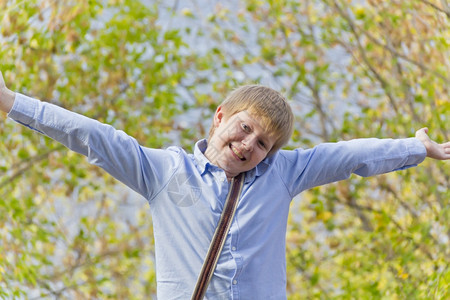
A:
(29, 163)
(377, 75)
(393, 51)
(444, 10)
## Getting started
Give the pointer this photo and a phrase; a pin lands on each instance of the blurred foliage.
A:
(158, 69)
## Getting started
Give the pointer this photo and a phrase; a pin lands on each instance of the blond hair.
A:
(264, 103)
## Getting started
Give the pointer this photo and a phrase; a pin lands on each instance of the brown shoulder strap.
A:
(219, 237)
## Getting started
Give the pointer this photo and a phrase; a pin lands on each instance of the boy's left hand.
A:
(434, 150)
(6, 96)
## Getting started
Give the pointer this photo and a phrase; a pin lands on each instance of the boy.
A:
(186, 192)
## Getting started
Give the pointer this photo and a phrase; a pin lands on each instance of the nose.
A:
(248, 143)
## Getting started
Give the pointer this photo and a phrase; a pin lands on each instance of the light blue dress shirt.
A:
(187, 193)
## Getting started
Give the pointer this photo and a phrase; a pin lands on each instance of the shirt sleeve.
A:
(143, 169)
(330, 162)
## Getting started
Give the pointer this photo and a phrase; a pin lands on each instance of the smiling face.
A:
(239, 142)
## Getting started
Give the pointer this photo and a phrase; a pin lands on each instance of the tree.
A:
(158, 70)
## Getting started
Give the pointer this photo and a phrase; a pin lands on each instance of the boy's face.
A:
(239, 142)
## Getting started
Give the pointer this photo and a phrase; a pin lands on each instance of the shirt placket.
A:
(234, 233)
(235, 252)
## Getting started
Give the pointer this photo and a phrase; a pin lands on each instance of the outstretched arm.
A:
(330, 162)
(6, 96)
(113, 150)
(434, 150)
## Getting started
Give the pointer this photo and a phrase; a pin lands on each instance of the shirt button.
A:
(233, 248)
(235, 281)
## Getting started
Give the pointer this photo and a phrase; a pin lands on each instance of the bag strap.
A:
(219, 237)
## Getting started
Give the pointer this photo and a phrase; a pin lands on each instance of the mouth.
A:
(237, 153)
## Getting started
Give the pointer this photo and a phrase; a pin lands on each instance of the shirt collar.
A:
(203, 163)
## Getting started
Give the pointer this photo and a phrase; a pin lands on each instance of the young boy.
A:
(186, 192)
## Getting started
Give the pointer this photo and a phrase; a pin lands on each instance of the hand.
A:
(6, 96)
(434, 150)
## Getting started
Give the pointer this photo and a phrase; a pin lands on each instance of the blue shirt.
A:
(187, 193)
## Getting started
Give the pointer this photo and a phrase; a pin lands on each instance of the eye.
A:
(245, 127)
(262, 144)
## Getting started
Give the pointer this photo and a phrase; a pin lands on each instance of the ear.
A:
(218, 116)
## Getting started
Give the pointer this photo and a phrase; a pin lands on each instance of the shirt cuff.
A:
(417, 152)
(23, 110)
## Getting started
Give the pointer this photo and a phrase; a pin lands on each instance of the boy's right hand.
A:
(6, 96)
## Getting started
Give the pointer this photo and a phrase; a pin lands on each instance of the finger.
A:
(446, 147)
(422, 131)
(445, 151)
(422, 136)
(2, 81)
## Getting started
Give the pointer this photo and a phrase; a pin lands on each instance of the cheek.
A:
(221, 135)
(231, 134)
(260, 155)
